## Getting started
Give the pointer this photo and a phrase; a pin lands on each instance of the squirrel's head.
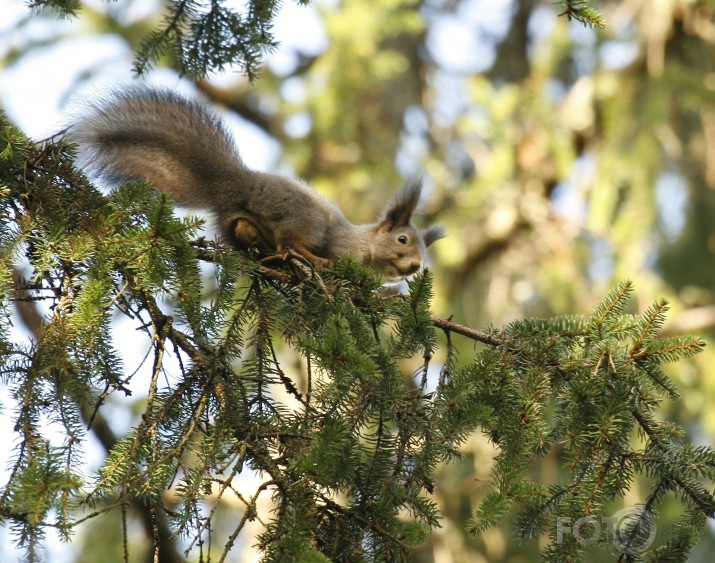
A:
(398, 248)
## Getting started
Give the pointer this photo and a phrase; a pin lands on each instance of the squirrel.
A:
(140, 133)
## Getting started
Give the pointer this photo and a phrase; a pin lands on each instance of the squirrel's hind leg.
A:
(246, 236)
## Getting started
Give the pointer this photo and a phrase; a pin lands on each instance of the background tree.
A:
(562, 158)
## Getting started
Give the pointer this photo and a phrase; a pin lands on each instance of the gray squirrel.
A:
(141, 133)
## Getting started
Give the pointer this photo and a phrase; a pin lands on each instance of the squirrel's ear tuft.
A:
(399, 211)
(433, 233)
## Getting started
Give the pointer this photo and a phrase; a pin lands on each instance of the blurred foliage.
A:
(562, 157)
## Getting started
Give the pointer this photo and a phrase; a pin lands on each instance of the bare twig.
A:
(450, 326)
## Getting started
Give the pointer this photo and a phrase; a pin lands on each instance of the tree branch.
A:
(477, 335)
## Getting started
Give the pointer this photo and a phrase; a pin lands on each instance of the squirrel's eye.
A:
(402, 239)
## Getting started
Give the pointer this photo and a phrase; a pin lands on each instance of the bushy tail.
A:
(140, 133)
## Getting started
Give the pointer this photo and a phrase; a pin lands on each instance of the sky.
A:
(42, 92)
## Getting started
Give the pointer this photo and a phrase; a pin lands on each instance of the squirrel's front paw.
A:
(310, 260)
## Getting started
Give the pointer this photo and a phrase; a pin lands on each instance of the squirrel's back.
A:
(139, 133)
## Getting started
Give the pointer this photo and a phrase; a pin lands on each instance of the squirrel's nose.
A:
(412, 267)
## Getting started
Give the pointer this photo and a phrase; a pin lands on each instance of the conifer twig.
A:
(450, 326)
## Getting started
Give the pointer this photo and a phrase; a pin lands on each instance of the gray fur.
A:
(184, 149)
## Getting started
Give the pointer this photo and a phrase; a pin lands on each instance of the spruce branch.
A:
(582, 12)
(65, 8)
(199, 37)
(479, 336)
(346, 445)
